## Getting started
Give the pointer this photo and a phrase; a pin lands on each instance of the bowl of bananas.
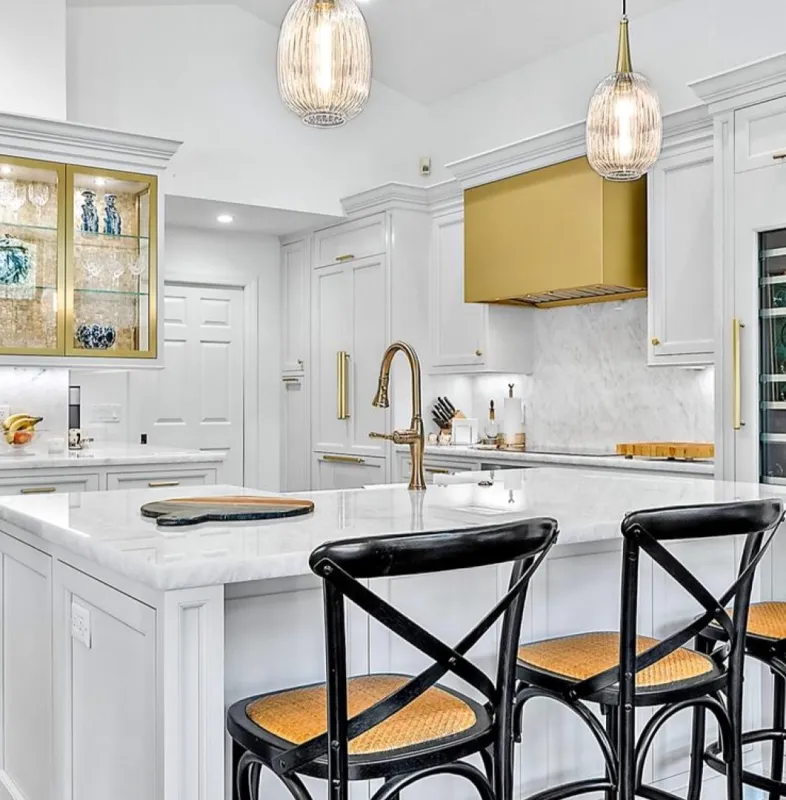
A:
(19, 431)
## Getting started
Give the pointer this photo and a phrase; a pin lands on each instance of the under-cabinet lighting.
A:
(100, 181)
(225, 219)
(5, 169)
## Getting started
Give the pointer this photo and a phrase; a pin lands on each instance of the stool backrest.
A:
(343, 565)
(645, 531)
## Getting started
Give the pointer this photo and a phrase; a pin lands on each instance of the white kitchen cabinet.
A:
(295, 430)
(471, 337)
(160, 479)
(26, 711)
(338, 471)
(295, 306)
(49, 483)
(681, 260)
(349, 335)
(351, 240)
(106, 692)
(760, 135)
(433, 468)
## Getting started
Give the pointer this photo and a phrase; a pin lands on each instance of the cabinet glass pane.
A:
(31, 264)
(772, 325)
(112, 269)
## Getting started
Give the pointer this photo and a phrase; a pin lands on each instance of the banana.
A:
(8, 421)
(19, 422)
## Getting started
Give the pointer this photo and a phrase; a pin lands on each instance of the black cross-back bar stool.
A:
(624, 671)
(397, 727)
(765, 641)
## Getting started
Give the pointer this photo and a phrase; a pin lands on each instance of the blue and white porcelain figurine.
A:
(112, 222)
(89, 212)
(14, 261)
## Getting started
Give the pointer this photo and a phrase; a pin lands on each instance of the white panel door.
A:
(295, 309)
(196, 401)
(458, 329)
(681, 261)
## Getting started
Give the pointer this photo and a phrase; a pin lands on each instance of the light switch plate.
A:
(80, 624)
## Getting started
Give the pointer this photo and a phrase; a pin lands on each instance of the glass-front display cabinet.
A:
(78, 271)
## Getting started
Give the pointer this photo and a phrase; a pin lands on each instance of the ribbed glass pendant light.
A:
(624, 123)
(324, 61)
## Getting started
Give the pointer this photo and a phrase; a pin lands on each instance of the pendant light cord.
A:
(624, 8)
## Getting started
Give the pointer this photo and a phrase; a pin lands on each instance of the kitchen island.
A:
(123, 642)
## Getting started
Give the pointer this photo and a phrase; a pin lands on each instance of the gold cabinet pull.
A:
(347, 257)
(38, 490)
(162, 484)
(655, 341)
(478, 353)
(342, 387)
(344, 459)
(435, 471)
(291, 380)
(779, 156)
(736, 351)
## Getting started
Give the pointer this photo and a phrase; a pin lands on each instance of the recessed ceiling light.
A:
(5, 169)
(225, 219)
(100, 181)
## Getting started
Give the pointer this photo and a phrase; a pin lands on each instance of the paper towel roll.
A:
(512, 419)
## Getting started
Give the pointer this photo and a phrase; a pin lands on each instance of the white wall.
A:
(678, 44)
(33, 57)
(207, 75)
(591, 386)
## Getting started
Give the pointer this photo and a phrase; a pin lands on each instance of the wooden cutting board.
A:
(670, 450)
(193, 510)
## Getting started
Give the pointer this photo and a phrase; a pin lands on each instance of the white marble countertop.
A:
(576, 460)
(107, 528)
(106, 456)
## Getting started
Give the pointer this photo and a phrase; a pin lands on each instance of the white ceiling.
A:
(430, 49)
(190, 212)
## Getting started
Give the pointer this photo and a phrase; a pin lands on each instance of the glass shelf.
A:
(119, 292)
(24, 227)
(85, 236)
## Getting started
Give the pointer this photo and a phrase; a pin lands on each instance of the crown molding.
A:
(687, 129)
(526, 155)
(743, 86)
(37, 137)
(387, 197)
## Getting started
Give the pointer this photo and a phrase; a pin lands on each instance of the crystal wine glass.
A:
(116, 268)
(138, 265)
(18, 200)
(7, 192)
(39, 197)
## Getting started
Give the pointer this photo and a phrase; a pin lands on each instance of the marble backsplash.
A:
(591, 386)
(41, 392)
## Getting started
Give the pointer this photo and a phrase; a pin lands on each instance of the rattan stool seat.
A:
(298, 715)
(767, 620)
(583, 655)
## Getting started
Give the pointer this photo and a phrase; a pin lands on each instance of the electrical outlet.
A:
(5, 412)
(425, 167)
(80, 624)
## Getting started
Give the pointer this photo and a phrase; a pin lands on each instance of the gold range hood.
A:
(555, 236)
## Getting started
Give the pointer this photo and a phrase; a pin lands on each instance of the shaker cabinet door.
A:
(760, 135)
(295, 309)
(681, 260)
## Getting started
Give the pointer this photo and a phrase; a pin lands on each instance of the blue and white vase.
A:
(89, 212)
(14, 261)
(96, 336)
(113, 224)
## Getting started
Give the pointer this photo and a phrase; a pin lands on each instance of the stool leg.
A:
(237, 752)
(611, 715)
(396, 796)
(698, 736)
(734, 705)
(778, 713)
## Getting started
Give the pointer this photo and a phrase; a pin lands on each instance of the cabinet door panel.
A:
(369, 340)
(331, 334)
(295, 447)
(760, 134)
(681, 260)
(295, 311)
(352, 240)
(347, 472)
(108, 690)
(458, 329)
(26, 701)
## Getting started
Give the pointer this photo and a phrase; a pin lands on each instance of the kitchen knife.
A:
(443, 406)
(450, 406)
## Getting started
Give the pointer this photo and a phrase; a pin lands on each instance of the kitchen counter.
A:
(589, 461)
(100, 604)
(109, 530)
(106, 455)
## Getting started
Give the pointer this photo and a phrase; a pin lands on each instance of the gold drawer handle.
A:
(291, 380)
(779, 156)
(162, 484)
(655, 341)
(347, 257)
(438, 471)
(38, 490)
(344, 459)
